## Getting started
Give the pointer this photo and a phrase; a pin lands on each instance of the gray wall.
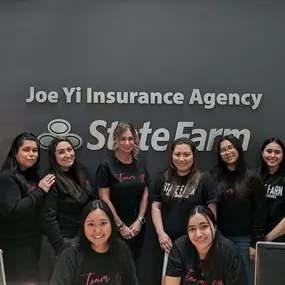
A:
(143, 46)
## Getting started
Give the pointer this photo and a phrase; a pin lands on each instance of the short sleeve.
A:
(210, 189)
(175, 265)
(103, 175)
(157, 187)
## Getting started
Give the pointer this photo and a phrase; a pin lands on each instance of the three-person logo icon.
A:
(59, 128)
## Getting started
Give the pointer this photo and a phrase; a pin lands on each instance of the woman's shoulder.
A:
(122, 245)
(7, 174)
(253, 177)
(71, 252)
(207, 180)
(206, 175)
(225, 247)
(183, 244)
(108, 160)
(253, 172)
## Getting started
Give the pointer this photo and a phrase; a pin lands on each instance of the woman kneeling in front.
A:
(204, 256)
(100, 256)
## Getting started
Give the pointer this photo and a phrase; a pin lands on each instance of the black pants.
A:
(21, 262)
(47, 261)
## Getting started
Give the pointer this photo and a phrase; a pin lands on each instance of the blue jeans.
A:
(243, 244)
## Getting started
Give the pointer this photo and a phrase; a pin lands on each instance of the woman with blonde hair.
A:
(122, 184)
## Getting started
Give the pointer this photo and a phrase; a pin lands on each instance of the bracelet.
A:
(142, 220)
(121, 226)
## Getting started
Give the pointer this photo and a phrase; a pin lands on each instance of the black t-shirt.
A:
(89, 267)
(222, 266)
(275, 194)
(175, 209)
(126, 182)
(241, 214)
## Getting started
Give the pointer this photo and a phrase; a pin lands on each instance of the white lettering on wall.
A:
(159, 139)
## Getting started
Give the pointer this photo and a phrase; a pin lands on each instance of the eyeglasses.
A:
(230, 148)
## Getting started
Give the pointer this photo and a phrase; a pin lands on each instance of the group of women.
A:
(207, 224)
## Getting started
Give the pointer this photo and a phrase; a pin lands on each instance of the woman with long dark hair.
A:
(177, 191)
(241, 210)
(204, 256)
(272, 171)
(122, 184)
(68, 196)
(21, 195)
(100, 257)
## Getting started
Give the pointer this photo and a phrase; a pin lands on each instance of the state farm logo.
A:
(59, 128)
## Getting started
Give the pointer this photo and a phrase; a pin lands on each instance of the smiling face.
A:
(126, 142)
(228, 153)
(27, 154)
(201, 232)
(272, 155)
(64, 155)
(183, 159)
(97, 229)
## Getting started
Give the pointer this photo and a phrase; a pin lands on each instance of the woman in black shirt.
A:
(178, 190)
(122, 183)
(204, 256)
(21, 195)
(272, 171)
(100, 258)
(68, 196)
(241, 210)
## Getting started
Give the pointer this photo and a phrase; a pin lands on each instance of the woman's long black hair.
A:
(11, 163)
(263, 170)
(114, 244)
(214, 248)
(194, 175)
(207, 213)
(242, 177)
(73, 180)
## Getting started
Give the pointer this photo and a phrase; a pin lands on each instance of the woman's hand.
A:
(126, 233)
(165, 242)
(47, 182)
(136, 227)
(252, 254)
